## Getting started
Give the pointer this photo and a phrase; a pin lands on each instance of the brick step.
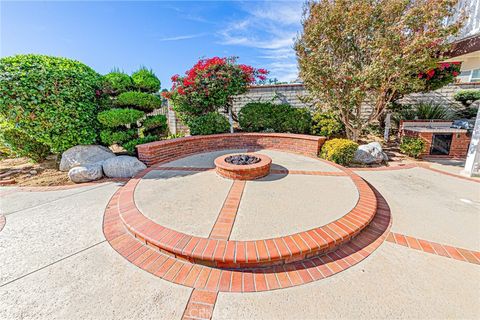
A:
(231, 254)
(186, 273)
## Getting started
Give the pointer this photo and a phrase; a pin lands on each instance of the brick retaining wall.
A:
(168, 150)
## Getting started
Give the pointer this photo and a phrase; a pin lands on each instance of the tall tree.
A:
(353, 52)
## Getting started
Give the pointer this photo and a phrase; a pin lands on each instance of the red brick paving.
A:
(222, 253)
(435, 248)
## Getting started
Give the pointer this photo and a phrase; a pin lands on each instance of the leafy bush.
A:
(209, 123)
(340, 151)
(326, 124)
(261, 116)
(158, 122)
(51, 100)
(24, 146)
(117, 82)
(412, 147)
(145, 80)
(466, 97)
(138, 100)
(118, 117)
(432, 111)
(130, 145)
(109, 137)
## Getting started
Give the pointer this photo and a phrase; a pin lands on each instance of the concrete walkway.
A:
(56, 263)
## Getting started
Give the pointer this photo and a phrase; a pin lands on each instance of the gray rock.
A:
(122, 167)
(89, 172)
(82, 155)
(370, 153)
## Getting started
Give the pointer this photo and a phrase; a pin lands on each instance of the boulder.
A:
(82, 155)
(122, 167)
(89, 172)
(370, 153)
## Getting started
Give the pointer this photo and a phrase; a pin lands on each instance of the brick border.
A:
(211, 279)
(224, 224)
(435, 248)
(200, 305)
(248, 254)
(168, 150)
(3, 221)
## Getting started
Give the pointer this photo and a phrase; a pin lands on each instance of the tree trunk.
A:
(353, 133)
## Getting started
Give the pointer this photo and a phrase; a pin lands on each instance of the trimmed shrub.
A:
(138, 100)
(109, 137)
(209, 123)
(262, 116)
(326, 124)
(51, 100)
(117, 82)
(158, 122)
(24, 146)
(466, 97)
(145, 80)
(340, 151)
(119, 117)
(130, 145)
(412, 147)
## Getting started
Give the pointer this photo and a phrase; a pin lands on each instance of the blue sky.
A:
(167, 36)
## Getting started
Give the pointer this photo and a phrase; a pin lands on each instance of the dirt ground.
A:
(27, 173)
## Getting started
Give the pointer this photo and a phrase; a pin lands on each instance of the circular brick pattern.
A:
(243, 172)
(186, 273)
(248, 254)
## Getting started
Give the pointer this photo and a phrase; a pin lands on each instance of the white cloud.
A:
(269, 27)
(183, 37)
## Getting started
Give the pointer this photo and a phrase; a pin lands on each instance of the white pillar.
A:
(472, 164)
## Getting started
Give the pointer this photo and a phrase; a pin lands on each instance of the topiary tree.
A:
(53, 101)
(210, 85)
(117, 82)
(352, 52)
(467, 99)
(127, 123)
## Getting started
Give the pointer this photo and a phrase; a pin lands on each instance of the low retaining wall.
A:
(168, 150)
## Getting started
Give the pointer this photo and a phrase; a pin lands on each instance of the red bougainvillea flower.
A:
(175, 77)
(430, 73)
(420, 75)
(455, 73)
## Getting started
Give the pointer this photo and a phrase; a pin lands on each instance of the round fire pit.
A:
(245, 166)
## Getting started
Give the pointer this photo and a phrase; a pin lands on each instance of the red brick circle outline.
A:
(247, 254)
(210, 279)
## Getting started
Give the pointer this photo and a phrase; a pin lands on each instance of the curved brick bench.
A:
(248, 254)
(168, 150)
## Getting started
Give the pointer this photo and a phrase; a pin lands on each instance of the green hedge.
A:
(266, 116)
(145, 80)
(210, 123)
(138, 100)
(24, 146)
(117, 82)
(50, 99)
(118, 117)
(412, 147)
(341, 151)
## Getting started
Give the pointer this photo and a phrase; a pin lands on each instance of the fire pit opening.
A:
(242, 159)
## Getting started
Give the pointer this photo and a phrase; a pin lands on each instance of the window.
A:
(475, 77)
